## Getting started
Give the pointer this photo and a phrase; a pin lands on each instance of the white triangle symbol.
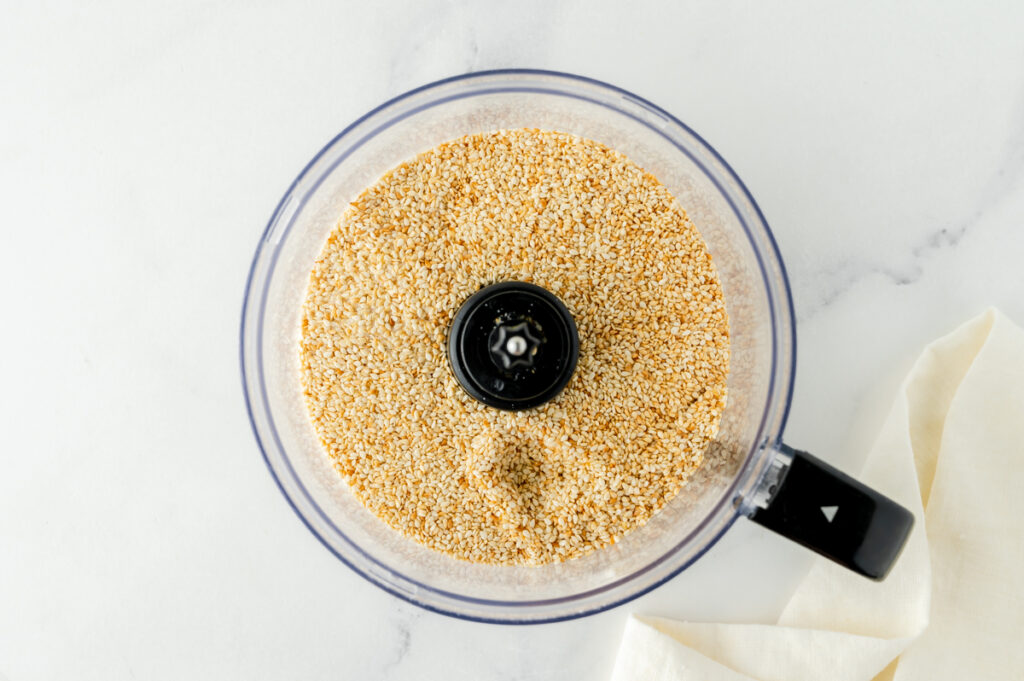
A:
(830, 512)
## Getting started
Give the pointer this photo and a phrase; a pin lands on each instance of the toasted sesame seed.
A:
(577, 473)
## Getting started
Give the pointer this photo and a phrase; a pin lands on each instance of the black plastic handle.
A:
(830, 513)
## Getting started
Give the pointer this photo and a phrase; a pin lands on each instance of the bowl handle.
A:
(830, 513)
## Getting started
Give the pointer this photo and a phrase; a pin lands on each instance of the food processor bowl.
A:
(744, 468)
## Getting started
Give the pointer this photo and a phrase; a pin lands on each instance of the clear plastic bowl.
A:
(757, 298)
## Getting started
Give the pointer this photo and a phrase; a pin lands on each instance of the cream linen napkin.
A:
(952, 451)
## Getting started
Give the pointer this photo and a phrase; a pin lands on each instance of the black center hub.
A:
(513, 345)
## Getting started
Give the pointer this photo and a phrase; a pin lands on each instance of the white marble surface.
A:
(142, 150)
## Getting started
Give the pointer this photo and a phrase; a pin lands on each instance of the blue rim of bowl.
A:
(525, 605)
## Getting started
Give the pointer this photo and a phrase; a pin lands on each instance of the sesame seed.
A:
(577, 473)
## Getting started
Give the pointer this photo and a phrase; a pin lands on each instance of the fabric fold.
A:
(951, 451)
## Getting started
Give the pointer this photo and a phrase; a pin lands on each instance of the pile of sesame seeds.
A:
(575, 474)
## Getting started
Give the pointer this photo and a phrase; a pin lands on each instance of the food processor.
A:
(747, 470)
